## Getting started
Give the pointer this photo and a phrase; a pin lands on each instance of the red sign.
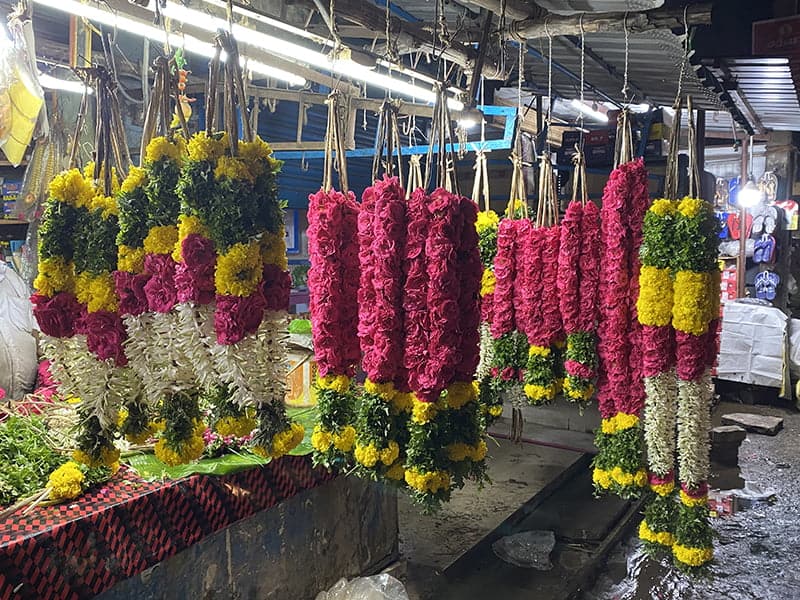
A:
(777, 37)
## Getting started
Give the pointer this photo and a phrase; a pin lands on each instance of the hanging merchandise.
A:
(618, 465)
(442, 317)
(232, 219)
(578, 277)
(333, 286)
(383, 409)
(75, 302)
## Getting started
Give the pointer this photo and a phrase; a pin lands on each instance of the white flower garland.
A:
(694, 427)
(193, 337)
(487, 351)
(659, 422)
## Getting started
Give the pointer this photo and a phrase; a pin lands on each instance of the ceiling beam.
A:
(515, 9)
(660, 18)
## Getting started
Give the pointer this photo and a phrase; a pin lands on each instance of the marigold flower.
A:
(130, 259)
(55, 275)
(66, 482)
(337, 383)
(692, 557)
(239, 271)
(161, 239)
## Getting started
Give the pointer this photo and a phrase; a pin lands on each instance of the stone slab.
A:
(728, 434)
(754, 423)
(292, 551)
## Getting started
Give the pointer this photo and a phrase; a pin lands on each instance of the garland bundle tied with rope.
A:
(578, 279)
(618, 466)
(333, 283)
(75, 303)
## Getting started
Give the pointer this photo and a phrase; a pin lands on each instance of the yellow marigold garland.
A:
(239, 271)
(66, 482)
(161, 239)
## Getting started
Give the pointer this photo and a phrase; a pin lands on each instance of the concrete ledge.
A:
(292, 551)
(560, 415)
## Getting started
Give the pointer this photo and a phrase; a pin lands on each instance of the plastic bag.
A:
(377, 587)
(529, 549)
(18, 362)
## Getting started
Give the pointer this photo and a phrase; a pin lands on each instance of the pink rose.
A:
(131, 291)
(577, 369)
(507, 374)
(105, 334)
(57, 316)
(276, 286)
(198, 251)
(194, 284)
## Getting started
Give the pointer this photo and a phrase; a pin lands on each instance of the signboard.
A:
(777, 37)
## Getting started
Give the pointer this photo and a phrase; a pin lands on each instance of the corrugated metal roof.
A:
(763, 89)
(569, 7)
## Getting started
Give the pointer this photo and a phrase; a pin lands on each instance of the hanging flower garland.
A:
(696, 307)
(491, 404)
(380, 427)
(333, 281)
(444, 444)
(510, 351)
(655, 307)
(618, 465)
(578, 278)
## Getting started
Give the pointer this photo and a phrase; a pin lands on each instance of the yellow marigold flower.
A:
(692, 305)
(663, 489)
(390, 454)
(55, 275)
(487, 219)
(601, 478)
(423, 412)
(273, 250)
(429, 482)
(496, 410)
(540, 392)
(162, 148)
(95, 184)
(664, 538)
(239, 271)
(714, 283)
(106, 204)
(134, 180)
(640, 478)
(233, 169)
(619, 422)
(691, 207)
(108, 456)
(479, 451)
(488, 282)
(688, 500)
(367, 455)
(141, 437)
(692, 557)
(235, 426)
(287, 440)
(158, 425)
(539, 351)
(458, 451)
(161, 239)
(578, 392)
(386, 391)
(518, 206)
(97, 293)
(187, 225)
(257, 155)
(337, 383)
(204, 148)
(460, 393)
(260, 451)
(70, 187)
(345, 440)
(403, 402)
(66, 482)
(396, 472)
(321, 440)
(190, 450)
(663, 207)
(655, 296)
(130, 259)
(122, 416)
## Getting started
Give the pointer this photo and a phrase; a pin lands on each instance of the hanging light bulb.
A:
(750, 195)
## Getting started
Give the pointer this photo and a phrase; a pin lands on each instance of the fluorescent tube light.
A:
(54, 83)
(589, 111)
(142, 29)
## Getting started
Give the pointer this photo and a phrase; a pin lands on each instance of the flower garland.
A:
(655, 305)
(694, 315)
(618, 465)
(385, 401)
(578, 278)
(332, 280)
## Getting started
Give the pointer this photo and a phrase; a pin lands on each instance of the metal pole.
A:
(741, 262)
(700, 153)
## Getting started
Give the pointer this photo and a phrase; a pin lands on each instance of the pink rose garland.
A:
(416, 291)
(470, 271)
(505, 271)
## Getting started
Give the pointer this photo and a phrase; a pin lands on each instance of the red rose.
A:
(236, 317)
(198, 251)
(57, 316)
(160, 289)
(276, 286)
(194, 284)
(507, 374)
(105, 334)
(131, 291)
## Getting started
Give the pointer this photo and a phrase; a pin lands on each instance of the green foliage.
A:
(693, 529)
(487, 244)
(300, 275)
(661, 513)
(92, 439)
(696, 245)
(163, 204)
(541, 370)
(133, 228)
(138, 419)
(624, 449)
(26, 457)
(659, 241)
(582, 348)
(272, 420)
(511, 350)
(300, 326)
(336, 410)
(180, 413)
(97, 251)
(489, 395)
(56, 230)
(375, 422)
